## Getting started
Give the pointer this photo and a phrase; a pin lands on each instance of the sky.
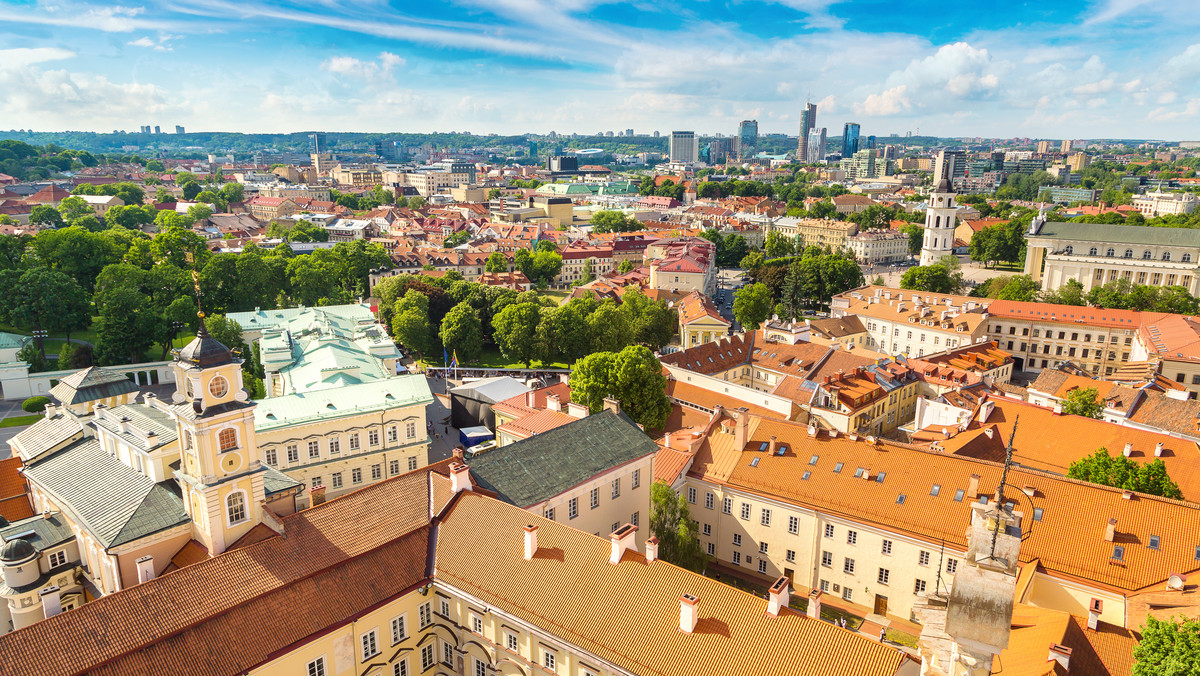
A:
(992, 68)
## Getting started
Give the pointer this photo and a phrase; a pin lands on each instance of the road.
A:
(727, 282)
(973, 272)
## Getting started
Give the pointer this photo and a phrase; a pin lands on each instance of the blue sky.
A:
(1050, 69)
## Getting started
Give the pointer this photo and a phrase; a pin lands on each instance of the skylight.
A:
(1037, 513)
(958, 495)
(754, 462)
(935, 490)
(1154, 541)
(837, 469)
(879, 479)
(806, 475)
(813, 460)
(900, 499)
(1118, 553)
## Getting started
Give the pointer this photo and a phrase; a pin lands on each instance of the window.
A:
(373, 437)
(370, 646)
(737, 539)
(765, 518)
(707, 529)
(847, 593)
(393, 434)
(356, 475)
(335, 446)
(445, 607)
(1146, 255)
(1154, 541)
(412, 463)
(573, 508)
(594, 498)
(400, 668)
(272, 459)
(887, 546)
(762, 548)
(316, 481)
(837, 469)
(712, 549)
(511, 641)
(636, 481)
(745, 511)
(410, 430)
(633, 518)
(293, 453)
(951, 566)
(427, 657)
(737, 558)
(477, 624)
(314, 450)
(791, 556)
(447, 653)
(1128, 253)
(426, 614)
(1092, 251)
(60, 558)
(376, 472)
(691, 495)
(727, 505)
(709, 500)
(227, 439)
(354, 442)
(394, 467)
(825, 586)
(828, 530)
(399, 629)
(884, 575)
(848, 565)
(317, 667)
(616, 488)
(1187, 258)
(827, 559)
(1110, 253)
(550, 513)
(548, 659)
(851, 537)
(235, 507)
(935, 490)
(958, 495)
(794, 525)
(1118, 553)
(762, 565)
(919, 587)
(480, 667)
(923, 558)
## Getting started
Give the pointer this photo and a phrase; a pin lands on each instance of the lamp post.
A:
(40, 336)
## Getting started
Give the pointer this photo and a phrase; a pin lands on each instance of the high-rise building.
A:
(850, 139)
(747, 139)
(816, 145)
(950, 163)
(684, 146)
(940, 215)
(629, 132)
(157, 129)
(1065, 146)
(808, 122)
(178, 129)
(1043, 147)
(719, 150)
(317, 143)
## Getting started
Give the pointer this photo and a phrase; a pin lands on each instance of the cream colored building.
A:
(1040, 335)
(878, 247)
(1161, 203)
(358, 177)
(820, 232)
(699, 321)
(913, 322)
(1097, 253)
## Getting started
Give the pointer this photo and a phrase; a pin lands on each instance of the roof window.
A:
(754, 462)
(879, 479)
(813, 460)
(1118, 553)
(1154, 542)
(1037, 513)
(935, 490)
(806, 475)
(900, 499)
(837, 469)
(858, 473)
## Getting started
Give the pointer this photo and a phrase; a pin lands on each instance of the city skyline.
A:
(1053, 70)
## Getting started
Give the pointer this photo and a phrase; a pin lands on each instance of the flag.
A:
(454, 361)
(445, 357)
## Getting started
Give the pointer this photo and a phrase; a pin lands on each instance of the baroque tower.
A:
(940, 216)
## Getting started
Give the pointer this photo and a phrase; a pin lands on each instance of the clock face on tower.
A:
(218, 387)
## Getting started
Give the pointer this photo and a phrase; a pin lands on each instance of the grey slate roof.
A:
(115, 503)
(91, 384)
(275, 481)
(144, 418)
(547, 464)
(45, 532)
(1121, 234)
(45, 435)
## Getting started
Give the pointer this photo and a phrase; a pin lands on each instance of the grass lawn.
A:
(57, 339)
(491, 358)
(901, 638)
(21, 420)
(557, 296)
(1009, 267)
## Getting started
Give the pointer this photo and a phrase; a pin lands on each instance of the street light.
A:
(40, 336)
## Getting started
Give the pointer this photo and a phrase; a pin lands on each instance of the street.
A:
(728, 280)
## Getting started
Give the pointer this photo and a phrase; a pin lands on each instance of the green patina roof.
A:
(566, 189)
(379, 395)
(542, 466)
(266, 319)
(40, 531)
(12, 341)
(1121, 234)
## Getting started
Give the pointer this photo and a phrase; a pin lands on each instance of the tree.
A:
(199, 212)
(934, 278)
(652, 323)
(732, 250)
(173, 245)
(515, 331)
(74, 207)
(462, 332)
(625, 267)
(1016, 287)
(1121, 472)
(1082, 402)
(43, 299)
(778, 245)
(496, 262)
(33, 355)
(632, 376)
(1070, 293)
(410, 322)
(416, 202)
(46, 215)
(614, 221)
(752, 305)
(190, 190)
(131, 217)
(233, 192)
(752, 261)
(586, 275)
(677, 533)
(125, 329)
(225, 331)
(609, 328)
(1167, 648)
(915, 236)
(546, 266)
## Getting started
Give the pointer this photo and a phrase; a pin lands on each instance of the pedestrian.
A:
(882, 633)
(843, 623)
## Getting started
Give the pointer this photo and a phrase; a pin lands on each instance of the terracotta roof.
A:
(571, 589)
(536, 423)
(519, 405)
(1070, 314)
(668, 463)
(14, 503)
(192, 552)
(708, 400)
(1093, 652)
(1157, 410)
(837, 327)
(696, 306)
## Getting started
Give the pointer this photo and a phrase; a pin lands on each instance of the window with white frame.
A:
(427, 657)
(370, 644)
(712, 549)
(709, 500)
(825, 586)
(727, 505)
(412, 463)
(235, 507)
(316, 481)
(636, 480)
(549, 513)
(707, 529)
(634, 518)
(951, 566)
(399, 629)
(293, 453)
(762, 565)
(828, 530)
(549, 659)
(477, 624)
(745, 511)
(827, 559)
(335, 445)
(317, 667)
(510, 640)
(765, 517)
(356, 475)
(737, 540)
(919, 587)
(884, 576)
(616, 488)
(410, 430)
(336, 479)
(572, 508)
(354, 442)
(793, 525)
(791, 556)
(447, 653)
(923, 558)
(762, 548)
(376, 472)
(373, 437)
(272, 458)
(400, 668)
(480, 667)
(848, 566)
(691, 495)
(425, 613)
(737, 558)
(393, 434)
(227, 439)
(847, 593)
(393, 467)
(445, 607)
(887, 546)
(851, 537)
(314, 450)
(594, 498)
(58, 558)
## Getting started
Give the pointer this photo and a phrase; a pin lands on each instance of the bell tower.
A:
(940, 216)
(220, 471)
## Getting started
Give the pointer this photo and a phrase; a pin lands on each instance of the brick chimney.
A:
(771, 447)
(651, 549)
(1058, 408)
(689, 610)
(51, 601)
(460, 477)
(611, 404)
(1060, 654)
(1110, 531)
(814, 604)
(531, 399)
(741, 430)
(778, 597)
(554, 402)
(1094, 610)
(458, 453)
(145, 569)
(973, 487)
(1128, 449)
(531, 545)
(622, 539)
(577, 410)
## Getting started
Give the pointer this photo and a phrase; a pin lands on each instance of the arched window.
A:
(227, 439)
(235, 507)
(1166, 256)
(1129, 253)
(1111, 253)
(1146, 255)
(1069, 250)
(1092, 251)
(1187, 258)
(937, 221)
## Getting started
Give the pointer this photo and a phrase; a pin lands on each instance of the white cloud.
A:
(1191, 110)
(60, 99)
(1184, 65)
(160, 44)
(890, 102)
(960, 70)
(348, 66)
(116, 19)
(15, 59)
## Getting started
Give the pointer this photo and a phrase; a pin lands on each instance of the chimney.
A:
(622, 539)
(973, 487)
(1128, 449)
(1110, 530)
(1029, 490)
(779, 596)
(742, 429)
(530, 541)
(576, 410)
(611, 404)
(1158, 449)
(458, 453)
(554, 402)
(1058, 408)
(460, 477)
(689, 608)
(814, 604)
(531, 399)
(145, 569)
(1094, 610)
(771, 447)
(51, 601)
(651, 549)
(1060, 654)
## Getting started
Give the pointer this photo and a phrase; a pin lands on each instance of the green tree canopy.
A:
(462, 332)
(614, 221)
(1121, 472)
(632, 376)
(1083, 401)
(515, 331)
(496, 262)
(1168, 648)
(752, 305)
(677, 533)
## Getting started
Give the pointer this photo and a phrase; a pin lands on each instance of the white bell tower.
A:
(940, 218)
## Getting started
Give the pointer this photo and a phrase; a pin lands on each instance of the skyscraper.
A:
(178, 129)
(316, 142)
(816, 145)
(747, 139)
(808, 122)
(684, 146)
(951, 164)
(850, 139)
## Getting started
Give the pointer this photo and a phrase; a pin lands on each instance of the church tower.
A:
(940, 216)
(220, 471)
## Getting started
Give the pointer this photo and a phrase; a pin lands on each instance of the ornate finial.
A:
(1008, 454)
